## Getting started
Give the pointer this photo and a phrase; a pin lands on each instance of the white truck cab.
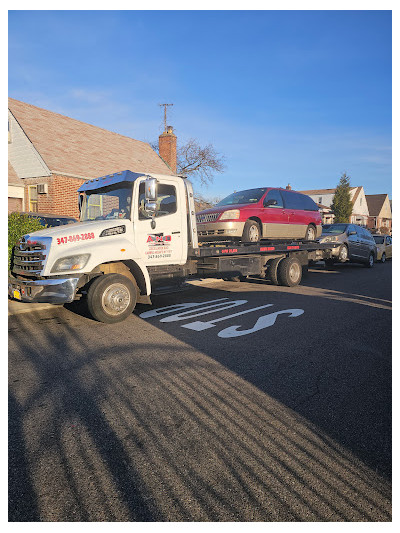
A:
(129, 222)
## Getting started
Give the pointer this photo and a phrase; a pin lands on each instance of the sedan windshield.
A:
(107, 203)
(250, 196)
(379, 239)
(334, 228)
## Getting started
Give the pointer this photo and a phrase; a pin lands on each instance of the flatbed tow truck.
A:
(136, 236)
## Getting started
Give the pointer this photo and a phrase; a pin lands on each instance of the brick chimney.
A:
(167, 147)
(288, 187)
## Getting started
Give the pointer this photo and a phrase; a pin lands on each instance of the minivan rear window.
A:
(250, 196)
(295, 200)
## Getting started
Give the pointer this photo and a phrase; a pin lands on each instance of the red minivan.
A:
(265, 213)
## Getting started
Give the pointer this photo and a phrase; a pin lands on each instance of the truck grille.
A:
(28, 257)
(207, 217)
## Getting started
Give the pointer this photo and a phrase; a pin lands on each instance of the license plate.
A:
(16, 294)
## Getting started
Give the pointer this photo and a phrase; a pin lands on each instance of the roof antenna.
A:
(165, 115)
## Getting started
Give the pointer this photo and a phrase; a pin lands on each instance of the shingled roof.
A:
(71, 147)
(375, 203)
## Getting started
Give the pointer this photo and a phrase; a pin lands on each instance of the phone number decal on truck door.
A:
(75, 238)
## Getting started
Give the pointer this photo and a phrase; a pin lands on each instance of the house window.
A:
(33, 198)
(320, 200)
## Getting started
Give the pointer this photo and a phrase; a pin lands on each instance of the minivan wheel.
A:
(251, 231)
(383, 258)
(311, 233)
(370, 262)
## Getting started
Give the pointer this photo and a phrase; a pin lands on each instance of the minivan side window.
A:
(274, 194)
(295, 200)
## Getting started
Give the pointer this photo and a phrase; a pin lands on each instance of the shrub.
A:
(18, 225)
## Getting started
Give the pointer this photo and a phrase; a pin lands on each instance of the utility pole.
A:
(165, 114)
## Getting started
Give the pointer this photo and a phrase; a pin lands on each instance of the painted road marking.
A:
(189, 310)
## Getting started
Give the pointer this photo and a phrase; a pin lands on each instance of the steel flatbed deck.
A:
(218, 248)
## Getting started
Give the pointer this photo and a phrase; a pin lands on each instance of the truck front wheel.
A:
(111, 298)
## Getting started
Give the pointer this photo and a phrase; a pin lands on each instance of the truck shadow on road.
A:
(158, 422)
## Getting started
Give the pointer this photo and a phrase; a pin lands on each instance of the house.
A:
(360, 211)
(51, 155)
(380, 212)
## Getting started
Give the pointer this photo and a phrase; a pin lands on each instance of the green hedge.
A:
(18, 225)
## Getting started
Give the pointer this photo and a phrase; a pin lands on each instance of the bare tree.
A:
(202, 202)
(201, 163)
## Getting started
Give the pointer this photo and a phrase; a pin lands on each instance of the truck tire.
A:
(111, 298)
(272, 272)
(251, 231)
(289, 272)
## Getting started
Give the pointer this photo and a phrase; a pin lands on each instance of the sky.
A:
(295, 97)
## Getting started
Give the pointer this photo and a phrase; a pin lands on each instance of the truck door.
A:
(166, 242)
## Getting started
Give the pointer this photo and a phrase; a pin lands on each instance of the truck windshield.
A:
(107, 203)
(250, 196)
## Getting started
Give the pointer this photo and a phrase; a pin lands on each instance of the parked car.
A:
(264, 213)
(357, 243)
(51, 220)
(383, 246)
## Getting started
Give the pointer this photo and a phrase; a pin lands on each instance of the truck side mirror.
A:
(150, 203)
(80, 202)
(151, 189)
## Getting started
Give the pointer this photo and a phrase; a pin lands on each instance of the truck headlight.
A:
(232, 214)
(72, 262)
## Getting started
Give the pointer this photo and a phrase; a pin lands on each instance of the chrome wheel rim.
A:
(254, 234)
(116, 299)
(371, 260)
(294, 272)
(383, 259)
(310, 234)
(343, 254)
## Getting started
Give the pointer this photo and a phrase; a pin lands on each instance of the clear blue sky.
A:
(293, 97)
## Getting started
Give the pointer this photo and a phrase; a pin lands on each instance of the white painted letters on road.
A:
(263, 322)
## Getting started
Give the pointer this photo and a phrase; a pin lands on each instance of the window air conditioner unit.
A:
(42, 188)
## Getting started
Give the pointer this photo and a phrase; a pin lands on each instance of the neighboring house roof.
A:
(356, 194)
(13, 179)
(319, 191)
(326, 191)
(375, 203)
(71, 147)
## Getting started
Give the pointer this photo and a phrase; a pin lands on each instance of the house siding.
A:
(22, 155)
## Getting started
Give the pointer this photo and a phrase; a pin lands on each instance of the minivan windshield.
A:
(107, 203)
(379, 239)
(250, 196)
(334, 228)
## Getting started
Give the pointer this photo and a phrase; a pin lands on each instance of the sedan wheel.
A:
(383, 258)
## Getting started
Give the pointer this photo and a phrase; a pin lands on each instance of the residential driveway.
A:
(242, 402)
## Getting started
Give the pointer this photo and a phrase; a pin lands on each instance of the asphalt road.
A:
(281, 412)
